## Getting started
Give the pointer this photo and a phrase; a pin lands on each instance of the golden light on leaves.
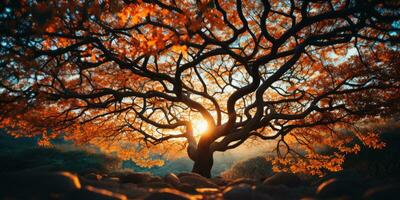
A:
(145, 77)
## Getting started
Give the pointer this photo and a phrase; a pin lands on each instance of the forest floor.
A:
(37, 173)
(38, 184)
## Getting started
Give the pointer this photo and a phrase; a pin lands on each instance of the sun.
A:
(199, 126)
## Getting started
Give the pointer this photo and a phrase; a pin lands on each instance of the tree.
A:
(140, 76)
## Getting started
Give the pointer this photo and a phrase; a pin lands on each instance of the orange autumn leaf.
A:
(147, 80)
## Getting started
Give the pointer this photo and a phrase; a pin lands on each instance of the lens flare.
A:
(199, 126)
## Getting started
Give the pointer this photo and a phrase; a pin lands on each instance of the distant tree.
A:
(141, 77)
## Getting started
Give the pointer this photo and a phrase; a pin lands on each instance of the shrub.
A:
(23, 154)
(255, 168)
(378, 162)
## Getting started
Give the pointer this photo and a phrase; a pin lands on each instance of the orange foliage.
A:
(131, 77)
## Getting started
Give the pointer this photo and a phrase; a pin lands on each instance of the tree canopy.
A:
(145, 77)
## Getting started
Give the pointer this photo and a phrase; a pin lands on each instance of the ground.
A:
(36, 184)
(35, 173)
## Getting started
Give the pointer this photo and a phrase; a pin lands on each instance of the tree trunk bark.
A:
(203, 163)
(204, 160)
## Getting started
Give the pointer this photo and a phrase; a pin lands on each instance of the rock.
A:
(93, 176)
(387, 192)
(261, 196)
(283, 192)
(303, 191)
(244, 191)
(110, 184)
(172, 179)
(155, 179)
(187, 188)
(111, 179)
(180, 175)
(241, 191)
(132, 191)
(37, 185)
(92, 193)
(207, 190)
(241, 181)
(219, 181)
(155, 185)
(128, 186)
(165, 196)
(348, 174)
(39, 169)
(284, 178)
(54, 181)
(92, 170)
(168, 194)
(343, 188)
(210, 193)
(135, 178)
(198, 181)
(273, 190)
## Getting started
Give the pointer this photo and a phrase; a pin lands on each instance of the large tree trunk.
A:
(203, 160)
(203, 164)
